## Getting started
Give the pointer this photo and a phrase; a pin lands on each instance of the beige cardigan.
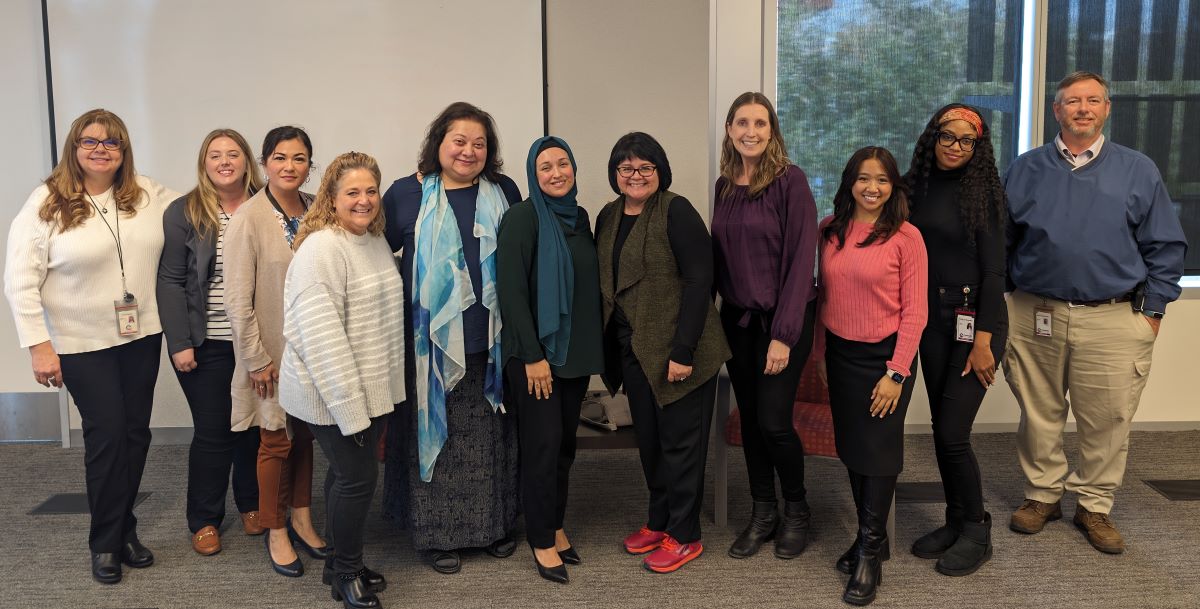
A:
(256, 258)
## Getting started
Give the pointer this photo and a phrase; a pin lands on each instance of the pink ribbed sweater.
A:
(870, 293)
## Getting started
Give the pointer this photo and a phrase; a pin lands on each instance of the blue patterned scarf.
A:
(441, 292)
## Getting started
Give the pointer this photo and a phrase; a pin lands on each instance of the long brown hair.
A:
(323, 213)
(895, 209)
(774, 159)
(68, 205)
(203, 203)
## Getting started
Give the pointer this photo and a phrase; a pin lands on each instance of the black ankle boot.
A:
(972, 548)
(351, 589)
(764, 520)
(849, 560)
(375, 581)
(793, 533)
(935, 543)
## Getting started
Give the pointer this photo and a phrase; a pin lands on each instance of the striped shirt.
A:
(218, 322)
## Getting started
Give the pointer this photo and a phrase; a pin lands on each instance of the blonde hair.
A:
(323, 213)
(67, 205)
(774, 160)
(203, 203)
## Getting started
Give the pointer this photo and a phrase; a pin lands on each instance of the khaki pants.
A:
(1101, 357)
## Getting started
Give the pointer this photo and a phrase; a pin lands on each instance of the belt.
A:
(1097, 303)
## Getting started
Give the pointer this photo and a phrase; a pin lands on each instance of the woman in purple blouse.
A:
(764, 239)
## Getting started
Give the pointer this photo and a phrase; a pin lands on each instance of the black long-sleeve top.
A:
(954, 260)
(692, 247)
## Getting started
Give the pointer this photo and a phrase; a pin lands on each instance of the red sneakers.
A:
(671, 555)
(644, 540)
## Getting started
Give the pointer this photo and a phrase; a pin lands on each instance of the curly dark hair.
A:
(895, 209)
(981, 197)
(428, 162)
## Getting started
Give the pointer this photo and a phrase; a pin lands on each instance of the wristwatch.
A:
(896, 376)
(1152, 314)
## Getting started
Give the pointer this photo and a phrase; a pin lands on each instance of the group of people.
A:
(451, 328)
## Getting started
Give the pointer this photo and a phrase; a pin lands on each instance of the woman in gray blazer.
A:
(191, 304)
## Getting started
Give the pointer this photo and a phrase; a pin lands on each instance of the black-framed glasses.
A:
(90, 143)
(947, 140)
(625, 171)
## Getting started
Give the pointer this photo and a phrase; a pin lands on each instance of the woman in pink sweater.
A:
(873, 307)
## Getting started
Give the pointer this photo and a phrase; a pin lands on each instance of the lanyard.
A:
(116, 237)
(293, 224)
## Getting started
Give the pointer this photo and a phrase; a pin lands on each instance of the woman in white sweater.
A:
(343, 361)
(80, 279)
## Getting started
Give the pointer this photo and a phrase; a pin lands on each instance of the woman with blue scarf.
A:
(451, 450)
(549, 288)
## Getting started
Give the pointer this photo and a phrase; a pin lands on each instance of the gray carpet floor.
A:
(44, 558)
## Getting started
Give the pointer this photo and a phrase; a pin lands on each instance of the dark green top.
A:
(516, 285)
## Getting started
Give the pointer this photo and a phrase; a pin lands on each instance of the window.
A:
(852, 73)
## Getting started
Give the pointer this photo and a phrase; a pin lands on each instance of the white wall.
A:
(24, 159)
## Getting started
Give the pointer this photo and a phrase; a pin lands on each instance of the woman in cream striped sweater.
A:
(343, 361)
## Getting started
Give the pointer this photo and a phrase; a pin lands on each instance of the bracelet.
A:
(260, 369)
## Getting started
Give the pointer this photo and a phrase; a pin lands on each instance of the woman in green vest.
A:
(549, 289)
(663, 341)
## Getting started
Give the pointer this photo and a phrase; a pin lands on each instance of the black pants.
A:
(765, 403)
(953, 403)
(673, 443)
(114, 390)
(349, 487)
(547, 431)
(215, 448)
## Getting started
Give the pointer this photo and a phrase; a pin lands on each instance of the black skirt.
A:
(867, 445)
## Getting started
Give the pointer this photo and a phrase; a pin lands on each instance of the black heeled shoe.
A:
(136, 555)
(557, 574)
(849, 560)
(374, 581)
(570, 556)
(106, 567)
(320, 553)
(292, 569)
(351, 590)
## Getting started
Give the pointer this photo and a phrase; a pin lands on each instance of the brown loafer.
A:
(207, 541)
(251, 523)
(1033, 515)
(1100, 530)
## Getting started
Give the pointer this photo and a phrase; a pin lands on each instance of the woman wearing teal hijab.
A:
(548, 282)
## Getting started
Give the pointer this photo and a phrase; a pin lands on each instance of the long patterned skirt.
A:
(473, 498)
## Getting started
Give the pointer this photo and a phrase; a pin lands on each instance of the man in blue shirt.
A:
(1095, 254)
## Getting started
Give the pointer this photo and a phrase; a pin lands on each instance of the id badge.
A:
(127, 316)
(1041, 321)
(965, 327)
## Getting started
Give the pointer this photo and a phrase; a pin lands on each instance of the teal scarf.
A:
(555, 270)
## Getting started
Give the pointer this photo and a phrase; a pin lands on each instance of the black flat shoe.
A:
(570, 556)
(446, 562)
(351, 590)
(502, 548)
(136, 555)
(106, 567)
(374, 581)
(320, 553)
(292, 569)
(557, 574)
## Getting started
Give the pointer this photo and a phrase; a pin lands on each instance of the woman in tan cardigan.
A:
(258, 247)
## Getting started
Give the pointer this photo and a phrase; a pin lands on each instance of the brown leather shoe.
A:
(207, 541)
(1033, 515)
(251, 523)
(1100, 530)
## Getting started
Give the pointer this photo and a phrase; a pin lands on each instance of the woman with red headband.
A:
(958, 205)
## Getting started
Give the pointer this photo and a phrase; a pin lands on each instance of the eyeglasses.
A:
(947, 140)
(90, 143)
(625, 171)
